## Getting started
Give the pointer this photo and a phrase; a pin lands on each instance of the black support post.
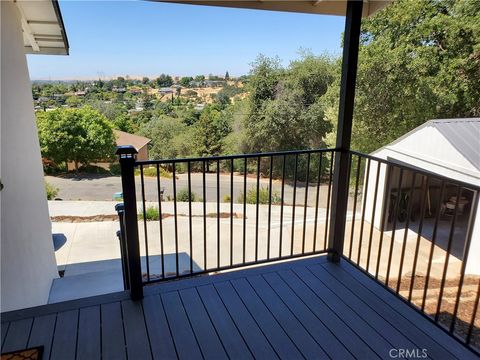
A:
(126, 156)
(344, 129)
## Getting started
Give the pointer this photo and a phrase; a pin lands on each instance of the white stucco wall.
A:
(427, 149)
(27, 257)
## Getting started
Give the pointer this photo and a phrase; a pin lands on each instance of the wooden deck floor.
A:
(306, 308)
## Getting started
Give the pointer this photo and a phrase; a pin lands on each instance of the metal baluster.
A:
(385, 204)
(160, 219)
(306, 204)
(327, 217)
(293, 204)
(147, 258)
(363, 213)
(175, 216)
(231, 211)
(474, 315)
(218, 213)
(204, 194)
(319, 176)
(432, 245)
(359, 164)
(449, 250)
(466, 251)
(420, 229)
(245, 169)
(394, 226)
(374, 206)
(190, 214)
(281, 206)
(256, 206)
(407, 223)
(269, 206)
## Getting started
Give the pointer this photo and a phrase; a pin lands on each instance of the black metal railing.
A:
(202, 215)
(412, 230)
(408, 229)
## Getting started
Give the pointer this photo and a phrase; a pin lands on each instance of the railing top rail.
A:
(419, 171)
(236, 156)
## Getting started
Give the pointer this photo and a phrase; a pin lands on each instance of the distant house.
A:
(135, 90)
(199, 107)
(166, 90)
(140, 143)
(120, 90)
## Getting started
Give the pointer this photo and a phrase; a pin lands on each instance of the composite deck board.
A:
(419, 339)
(275, 334)
(246, 323)
(159, 334)
(312, 324)
(401, 308)
(359, 325)
(17, 335)
(42, 333)
(113, 337)
(228, 332)
(291, 325)
(64, 344)
(88, 342)
(361, 308)
(306, 308)
(205, 333)
(136, 338)
(182, 333)
(334, 321)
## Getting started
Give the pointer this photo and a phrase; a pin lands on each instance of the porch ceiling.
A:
(323, 7)
(43, 29)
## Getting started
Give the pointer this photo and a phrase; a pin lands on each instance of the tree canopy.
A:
(78, 135)
(419, 60)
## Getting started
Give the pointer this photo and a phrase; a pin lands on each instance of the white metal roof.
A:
(43, 29)
(450, 147)
(325, 7)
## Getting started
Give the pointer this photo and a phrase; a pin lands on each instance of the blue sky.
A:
(147, 38)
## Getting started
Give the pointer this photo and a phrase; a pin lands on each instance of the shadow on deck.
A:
(306, 308)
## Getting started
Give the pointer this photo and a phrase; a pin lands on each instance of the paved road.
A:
(96, 187)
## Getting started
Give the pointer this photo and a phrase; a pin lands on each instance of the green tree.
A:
(170, 138)
(145, 80)
(78, 135)
(164, 80)
(211, 129)
(286, 109)
(419, 60)
(185, 81)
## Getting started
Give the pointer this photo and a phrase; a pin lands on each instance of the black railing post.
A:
(126, 156)
(119, 208)
(344, 129)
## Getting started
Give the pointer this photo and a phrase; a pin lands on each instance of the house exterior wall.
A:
(425, 149)
(143, 153)
(27, 257)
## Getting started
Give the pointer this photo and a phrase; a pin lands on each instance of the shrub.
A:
(115, 169)
(152, 172)
(151, 213)
(52, 191)
(93, 169)
(227, 198)
(182, 195)
(263, 196)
